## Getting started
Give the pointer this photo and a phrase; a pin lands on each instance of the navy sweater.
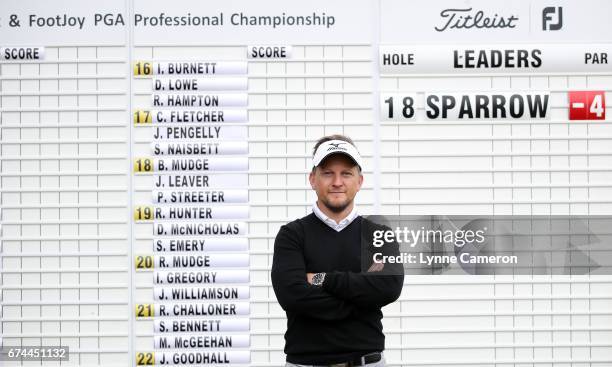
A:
(342, 319)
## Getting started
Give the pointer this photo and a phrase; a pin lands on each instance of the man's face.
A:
(336, 180)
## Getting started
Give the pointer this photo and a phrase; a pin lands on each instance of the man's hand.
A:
(309, 277)
(376, 267)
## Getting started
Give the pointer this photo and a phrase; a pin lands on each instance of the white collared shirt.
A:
(332, 223)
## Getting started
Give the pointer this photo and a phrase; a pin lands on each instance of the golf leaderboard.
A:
(151, 150)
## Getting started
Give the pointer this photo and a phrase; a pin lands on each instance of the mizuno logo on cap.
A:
(335, 146)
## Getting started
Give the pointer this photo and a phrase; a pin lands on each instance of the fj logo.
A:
(552, 18)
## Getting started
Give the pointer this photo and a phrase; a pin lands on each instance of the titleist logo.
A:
(466, 19)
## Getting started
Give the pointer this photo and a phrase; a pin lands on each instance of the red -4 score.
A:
(587, 105)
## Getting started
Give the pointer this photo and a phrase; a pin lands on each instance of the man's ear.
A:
(360, 181)
(311, 178)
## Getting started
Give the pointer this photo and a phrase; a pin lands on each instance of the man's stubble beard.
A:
(336, 208)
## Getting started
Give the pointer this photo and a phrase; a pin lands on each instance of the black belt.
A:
(360, 361)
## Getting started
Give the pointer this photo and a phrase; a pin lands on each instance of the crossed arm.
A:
(341, 293)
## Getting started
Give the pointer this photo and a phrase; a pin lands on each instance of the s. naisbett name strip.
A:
(198, 208)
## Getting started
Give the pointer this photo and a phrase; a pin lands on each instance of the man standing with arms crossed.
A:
(333, 308)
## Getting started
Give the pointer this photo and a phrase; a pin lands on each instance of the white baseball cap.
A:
(333, 147)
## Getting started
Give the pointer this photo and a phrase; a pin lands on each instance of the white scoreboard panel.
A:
(151, 150)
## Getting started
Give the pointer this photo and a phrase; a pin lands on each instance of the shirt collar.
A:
(332, 223)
